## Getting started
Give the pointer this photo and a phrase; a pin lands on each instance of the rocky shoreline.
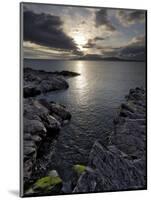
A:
(121, 165)
(116, 162)
(42, 119)
(39, 81)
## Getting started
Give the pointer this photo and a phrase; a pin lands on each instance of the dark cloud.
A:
(99, 38)
(133, 53)
(90, 44)
(46, 29)
(101, 19)
(130, 17)
(136, 49)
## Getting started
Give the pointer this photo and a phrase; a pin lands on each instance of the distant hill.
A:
(93, 58)
(98, 57)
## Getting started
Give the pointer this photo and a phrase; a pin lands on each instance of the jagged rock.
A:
(58, 111)
(36, 138)
(34, 127)
(39, 122)
(129, 135)
(109, 172)
(42, 119)
(39, 81)
(120, 165)
(31, 90)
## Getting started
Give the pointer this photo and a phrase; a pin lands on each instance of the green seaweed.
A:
(79, 168)
(47, 182)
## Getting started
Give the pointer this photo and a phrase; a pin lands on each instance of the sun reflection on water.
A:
(81, 80)
(81, 83)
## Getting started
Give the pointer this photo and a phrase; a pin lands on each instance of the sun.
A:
(80, 40)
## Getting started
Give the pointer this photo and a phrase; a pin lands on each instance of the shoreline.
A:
(128, 114)
(40, 81)
(120, 165)
(42, 119)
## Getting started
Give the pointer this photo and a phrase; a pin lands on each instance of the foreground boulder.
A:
(121, 165)
(108, 171)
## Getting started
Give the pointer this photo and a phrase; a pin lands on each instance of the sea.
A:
(93, 99)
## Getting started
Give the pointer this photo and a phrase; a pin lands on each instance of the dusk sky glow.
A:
(63, 32)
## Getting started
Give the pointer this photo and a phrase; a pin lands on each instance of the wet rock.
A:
(34, 127)
(67, 187)
(51, 124)
(120, 164)
(28, 150)
(58, 111)
(50, 184)
(39, 123)
(109, 172)
(31, 91)
(130, 136)
(39, 81)
(36, 139)
(67, 73)
(127, 107)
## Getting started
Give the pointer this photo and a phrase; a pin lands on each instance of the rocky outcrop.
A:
(121, 165)
(39, 81)
(130, 125)
(41, 119)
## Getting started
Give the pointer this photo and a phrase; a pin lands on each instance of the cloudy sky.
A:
(60, 32)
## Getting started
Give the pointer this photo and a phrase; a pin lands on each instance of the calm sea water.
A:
(93, 99)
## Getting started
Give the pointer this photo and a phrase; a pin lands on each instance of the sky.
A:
(65, 32)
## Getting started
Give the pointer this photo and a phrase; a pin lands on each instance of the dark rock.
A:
(66, 187)
(59, 111)
(39, 123)
(120, 164)
(47, 185)
(31, 91)
(36, 138)
(34, 127)
(127, 107)
(39, 81)
(51, 124)
(109, 172)
(67, 73)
